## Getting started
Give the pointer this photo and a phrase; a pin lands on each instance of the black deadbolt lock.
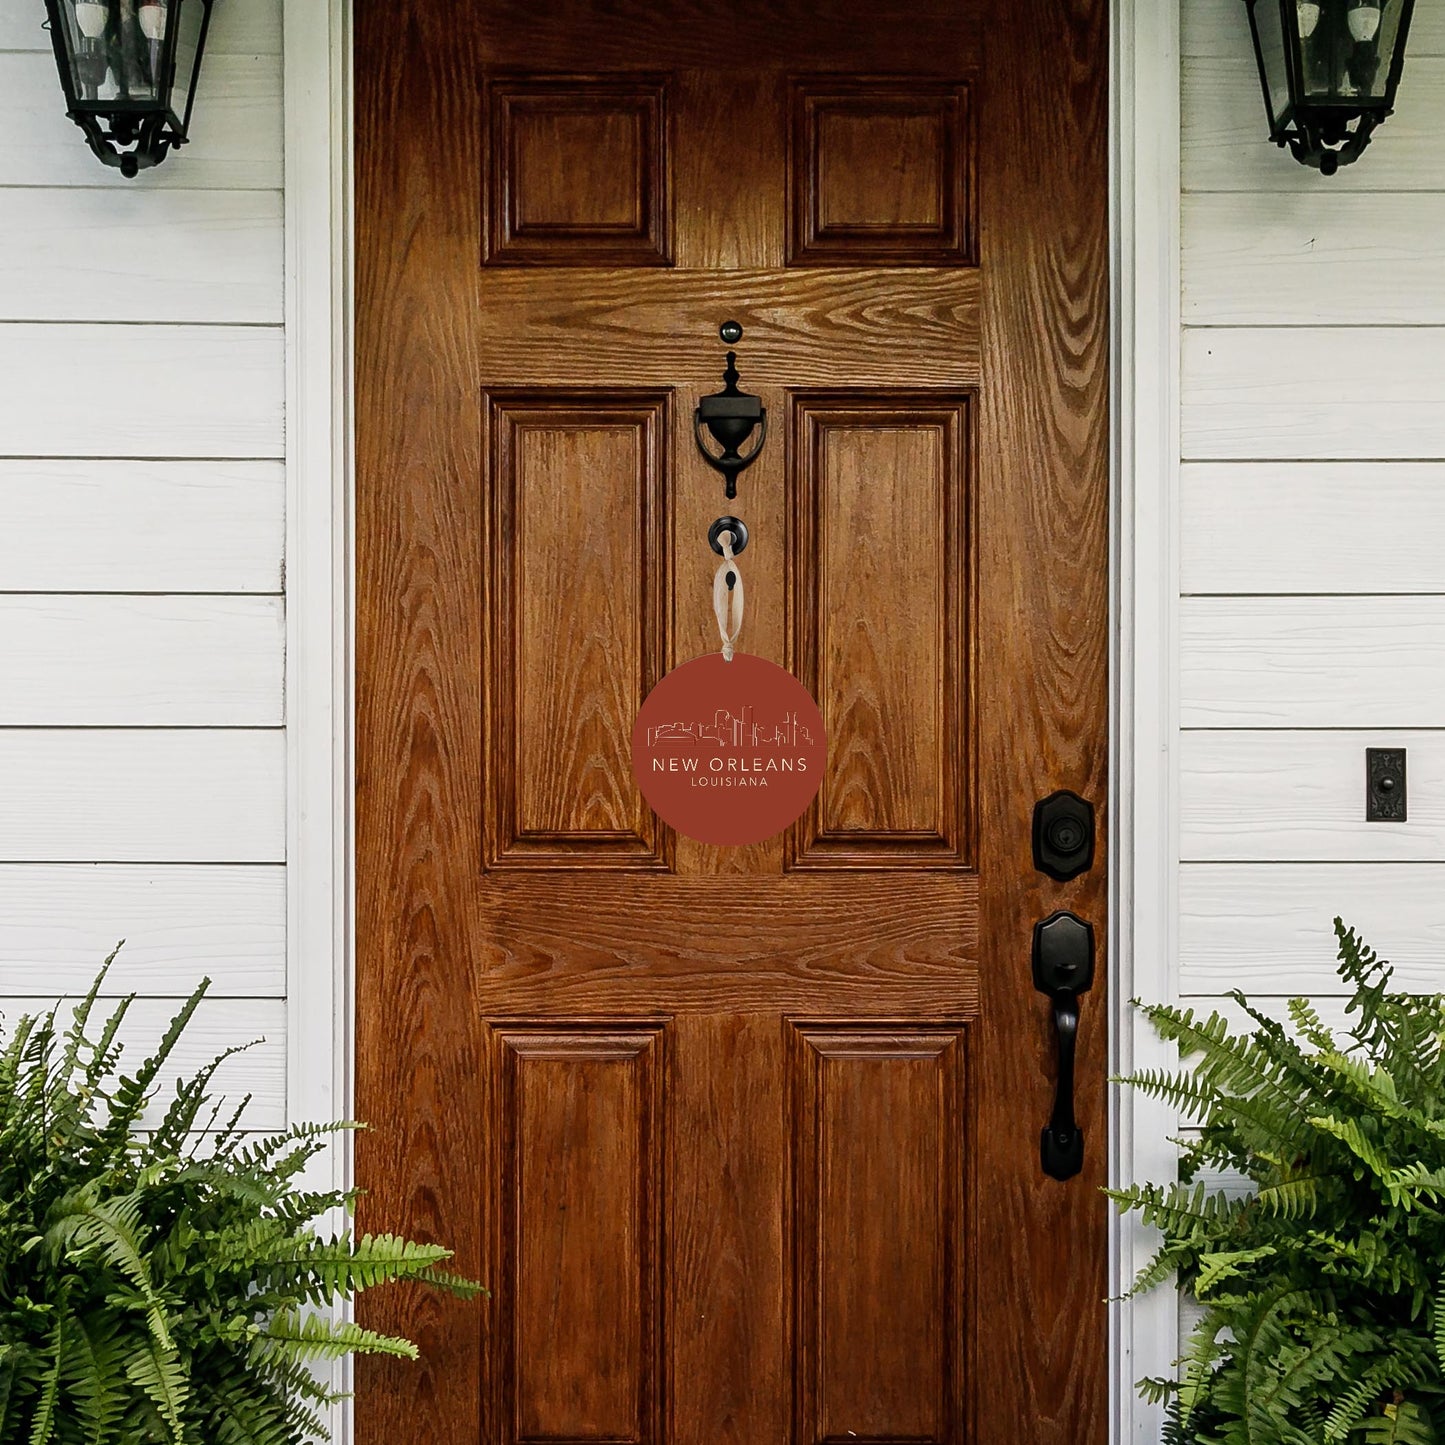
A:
(1063, 835)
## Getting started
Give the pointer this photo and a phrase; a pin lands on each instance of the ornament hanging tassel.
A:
(727, 596)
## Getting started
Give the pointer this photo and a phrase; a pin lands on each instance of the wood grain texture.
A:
(1300, 797)
(1225, 144)
(235, 139)
(803, 328)
(1267, 929)
(560, 721)
(1312, 662)
(1268, 260)
(1042, 684)
(75, 254)
(578, 171)
(1293, 393)
(882, 630)
(421, 597)
(880, 172)
(218, 1024)
(1221, 28)
(83, 661)
(224, 391)
(796, 945)
(890, 39)
(180, 924)
(579, 1215)
(1326, 527)
(91, 795)
(601, 952)
(188, 526)
(878, 1232)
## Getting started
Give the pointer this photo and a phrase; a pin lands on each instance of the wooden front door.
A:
(745, 1142)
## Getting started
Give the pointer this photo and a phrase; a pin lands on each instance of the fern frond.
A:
(313, 1337)
(1227, 1264)
(1292, 1199)
(157, 1371)
(42, 1426)
(1403, 1423)
(94, 1373)
(132, 1094)
(1352, 1136)
(1184, 1091)
(114, 1228)
(1310, 1025)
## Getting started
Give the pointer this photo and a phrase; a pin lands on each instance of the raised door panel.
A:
(578, 172)
(880, 573)
(879, 1233)
(576, 494)
(576, 1339)
(880, 173)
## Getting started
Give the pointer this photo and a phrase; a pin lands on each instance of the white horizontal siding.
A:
(1311, 662)
(175, 255)
(1267, 929)
(139, 795)
(1225, 143)
(188, 526)
(141, 391)
(235, 133)
(1313, 392)
(1270, 260)
(1312, 509)
(1330, 527)
(141, 661)
(142, 524)
(180, 924)
(219, 1024)
(1282, 796)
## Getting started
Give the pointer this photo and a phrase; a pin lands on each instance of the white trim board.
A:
(1143, 833)
(319, 954)
(1144, 850)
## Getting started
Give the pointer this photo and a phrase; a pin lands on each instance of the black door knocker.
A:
(731, 416)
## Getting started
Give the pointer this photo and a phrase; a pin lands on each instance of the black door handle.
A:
(1063, 969)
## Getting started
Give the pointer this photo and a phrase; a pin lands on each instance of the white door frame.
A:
(1144, 223)
(1144, 845)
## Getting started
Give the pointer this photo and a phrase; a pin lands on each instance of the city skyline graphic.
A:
(729, 730)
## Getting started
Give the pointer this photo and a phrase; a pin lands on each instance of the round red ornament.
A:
(729, 752)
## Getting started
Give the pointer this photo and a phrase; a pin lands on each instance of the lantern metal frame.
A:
(1325, 133)
(128, 133)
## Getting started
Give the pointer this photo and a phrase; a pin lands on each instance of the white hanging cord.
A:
(727, 601)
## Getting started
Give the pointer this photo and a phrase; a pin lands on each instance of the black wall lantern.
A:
(1330, 69)
(129, 68)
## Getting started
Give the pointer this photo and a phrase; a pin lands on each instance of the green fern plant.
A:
(1322, 1284)
(164, 1282)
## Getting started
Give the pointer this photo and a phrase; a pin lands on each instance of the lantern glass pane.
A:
(90, 34)
(1268, 17)
(192, 22)
(1345, 60)
(117, 52)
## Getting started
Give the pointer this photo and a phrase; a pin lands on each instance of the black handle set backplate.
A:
(1063, 961)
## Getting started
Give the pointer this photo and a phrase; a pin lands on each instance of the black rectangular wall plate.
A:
(1385, 800)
